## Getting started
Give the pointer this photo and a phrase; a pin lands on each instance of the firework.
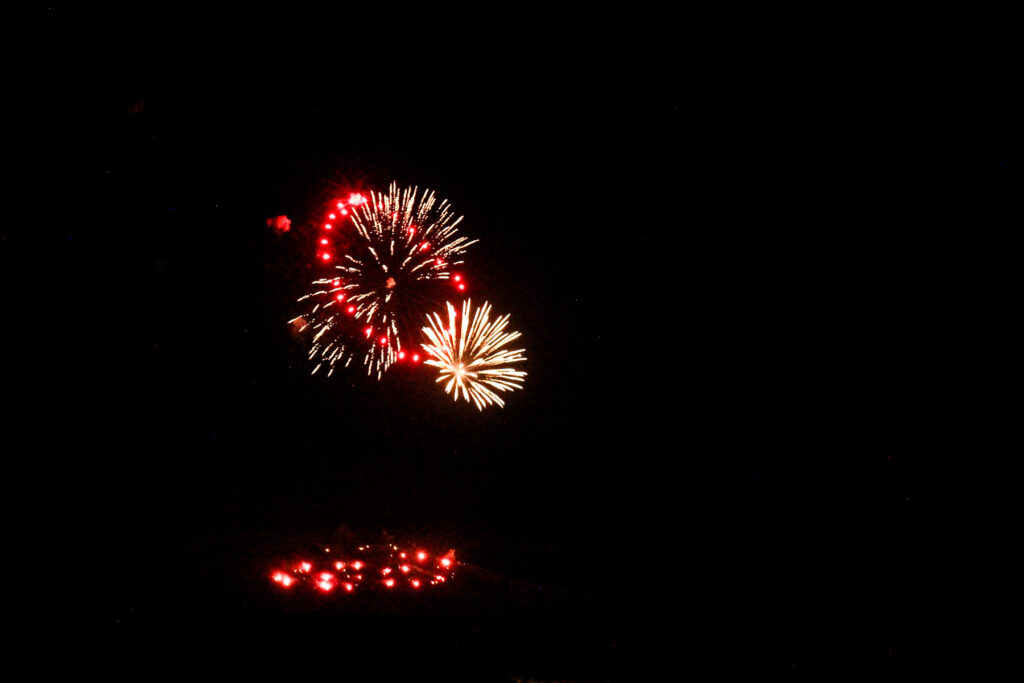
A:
(387, 567)
(402, 246)
(470, 356)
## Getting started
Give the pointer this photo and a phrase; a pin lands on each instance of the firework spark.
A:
(470, 356)
(404, 247)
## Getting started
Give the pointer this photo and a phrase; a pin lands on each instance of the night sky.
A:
(760, 277)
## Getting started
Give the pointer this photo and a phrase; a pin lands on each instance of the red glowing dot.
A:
(344, 212)
(457, 278)
(339, 565)
(325, 256)
(280, 223)
(351, 309)
(323, 241)
(348, 586)
(439, 578)
(425, 246)
(389, 583)
(439, 262)
(357, 565)
(415, 583)
(401, 555)
(462, 287)
(401, 356)
(286, 581)
(394, 214)
(415, 358)
(327, 226)
(356, 199)
(340, 296)
(368, 331)
(385, 571)
(336, 283)
(404, 568)
(305, 567)
(383, 341)
(331, 216)
(445, 562)
(421, 556)
(412, 230)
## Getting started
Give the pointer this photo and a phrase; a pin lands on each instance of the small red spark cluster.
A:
(382, 567)
(281, 224)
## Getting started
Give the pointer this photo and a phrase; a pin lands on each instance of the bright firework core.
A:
(395, 271)
(380, 567)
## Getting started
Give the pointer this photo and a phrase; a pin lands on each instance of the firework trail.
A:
(395, 271)
(470, 355)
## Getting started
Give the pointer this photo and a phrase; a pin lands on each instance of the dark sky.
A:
(757, 272)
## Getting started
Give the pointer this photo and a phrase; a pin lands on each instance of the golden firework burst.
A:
(470, 354)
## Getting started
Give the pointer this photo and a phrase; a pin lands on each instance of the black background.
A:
(757, 266)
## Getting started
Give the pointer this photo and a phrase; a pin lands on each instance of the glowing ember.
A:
(280, 223)
(325, 582)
